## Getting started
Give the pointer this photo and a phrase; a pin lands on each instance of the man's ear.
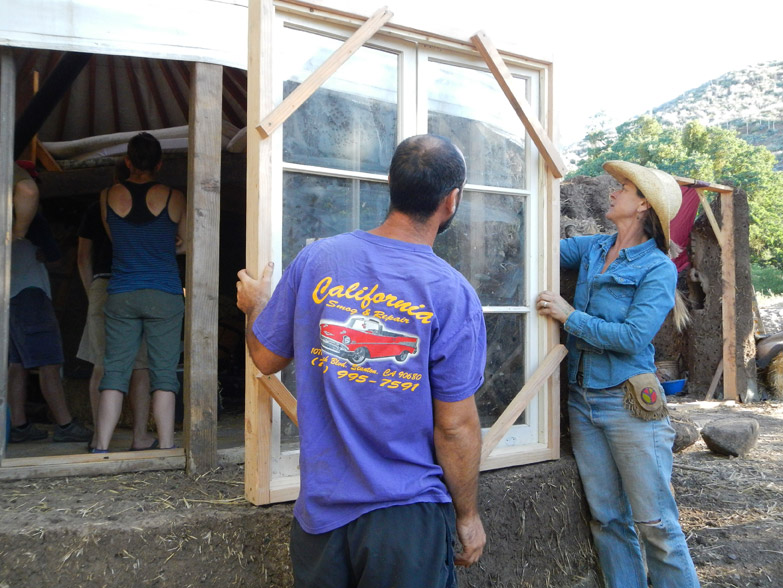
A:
(452, 200)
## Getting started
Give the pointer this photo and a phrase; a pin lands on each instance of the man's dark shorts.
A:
(408, 546)
(34, 332)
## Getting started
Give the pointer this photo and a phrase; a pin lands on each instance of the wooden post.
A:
(201, 311)
(728, 267)
(552, 249)
(258, 250)
(7, 126)
(7, 102)
(552, 246)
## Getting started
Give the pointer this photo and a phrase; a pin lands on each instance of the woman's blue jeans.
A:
(625, 464)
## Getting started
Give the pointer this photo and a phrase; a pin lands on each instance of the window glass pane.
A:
(315, 207)
(350, 122)
(505, 371)
(486, 242)
(469, 107)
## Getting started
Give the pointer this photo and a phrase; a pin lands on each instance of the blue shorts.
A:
(408, 546)
(33, 330)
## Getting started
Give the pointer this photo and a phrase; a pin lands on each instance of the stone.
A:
(686, 432)
(731, 436)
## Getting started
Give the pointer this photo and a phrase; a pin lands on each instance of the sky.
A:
(619, 57)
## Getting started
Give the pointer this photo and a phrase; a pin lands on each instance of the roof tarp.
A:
(211, 31)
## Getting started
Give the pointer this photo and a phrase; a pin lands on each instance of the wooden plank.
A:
(504, 457)
(42, 154)
(36, 142)
(699, 185)
(105, 467)
(552, 248)
(258, 251)
(202, 267)
(315, 80)
(281, 394)
(711, 217)
(517, 406)
(715, 379)
(729, 296)
(7, 121)
(58, 460)
(520, 105)
(553, 327)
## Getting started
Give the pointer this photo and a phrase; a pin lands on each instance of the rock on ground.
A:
(731, 436)
(686, 432)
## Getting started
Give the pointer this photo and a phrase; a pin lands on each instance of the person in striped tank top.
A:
(146, 222)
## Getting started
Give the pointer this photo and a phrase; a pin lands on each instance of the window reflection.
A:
(486, 242)
(350, 123)
(504, 374)
(469, 107)
(315, 207)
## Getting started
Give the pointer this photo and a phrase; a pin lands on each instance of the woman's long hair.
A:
(651, 225)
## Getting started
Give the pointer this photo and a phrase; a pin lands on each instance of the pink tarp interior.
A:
(681, 225)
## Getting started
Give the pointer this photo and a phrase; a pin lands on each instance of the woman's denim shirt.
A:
(618, 312)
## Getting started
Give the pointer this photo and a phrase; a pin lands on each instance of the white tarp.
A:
(211, 31)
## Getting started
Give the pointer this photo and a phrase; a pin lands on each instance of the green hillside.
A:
(749, 101)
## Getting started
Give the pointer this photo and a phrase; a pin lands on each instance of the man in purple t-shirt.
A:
(390, 346)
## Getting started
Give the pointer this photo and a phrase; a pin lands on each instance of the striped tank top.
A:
(144, 248)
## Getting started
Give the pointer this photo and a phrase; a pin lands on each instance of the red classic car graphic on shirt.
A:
(363, 338)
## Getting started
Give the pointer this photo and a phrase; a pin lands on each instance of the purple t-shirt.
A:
(377, 328)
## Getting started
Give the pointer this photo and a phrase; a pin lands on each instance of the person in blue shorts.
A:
(390, 348)
(34, 334)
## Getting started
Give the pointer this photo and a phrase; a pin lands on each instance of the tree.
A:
(711, 154)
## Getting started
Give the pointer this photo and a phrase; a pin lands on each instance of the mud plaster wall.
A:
(697, 350)
(704, 284)
(533, 516)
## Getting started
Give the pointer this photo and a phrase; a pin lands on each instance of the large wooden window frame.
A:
(269, 476)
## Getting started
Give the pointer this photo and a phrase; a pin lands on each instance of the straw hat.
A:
(660, 189)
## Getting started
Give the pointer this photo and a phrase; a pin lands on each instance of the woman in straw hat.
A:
(620, 429)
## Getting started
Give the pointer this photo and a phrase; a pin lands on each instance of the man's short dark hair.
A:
(144, 152)
(423, 171)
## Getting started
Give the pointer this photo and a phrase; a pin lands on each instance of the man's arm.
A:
(457, 435)
(252, 297)
(84, 262)
(25, 201)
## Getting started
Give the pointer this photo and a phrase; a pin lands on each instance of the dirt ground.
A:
(731, 511)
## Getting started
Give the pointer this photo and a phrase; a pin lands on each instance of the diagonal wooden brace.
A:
(521, 400)
(520, 105)
(316, 79)
(280, 393)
